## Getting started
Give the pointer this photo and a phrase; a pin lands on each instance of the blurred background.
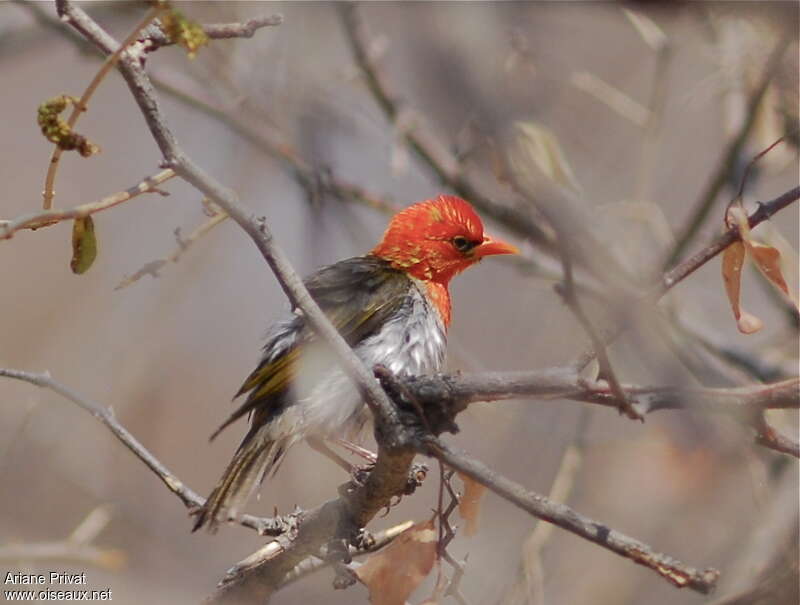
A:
(642, 101)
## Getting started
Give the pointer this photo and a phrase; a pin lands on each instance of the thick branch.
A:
(445, 395)
(456, 391)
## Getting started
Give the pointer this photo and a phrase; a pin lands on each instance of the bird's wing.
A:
(358, 295)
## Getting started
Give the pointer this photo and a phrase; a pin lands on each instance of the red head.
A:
(437, 239)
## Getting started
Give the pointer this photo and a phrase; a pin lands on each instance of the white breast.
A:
(412, 342)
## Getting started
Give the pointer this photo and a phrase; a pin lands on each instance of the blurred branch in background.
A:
(528, 587)
(76, 549)
(684, 269)
(431, 152)
(731, 156)
(152, 268)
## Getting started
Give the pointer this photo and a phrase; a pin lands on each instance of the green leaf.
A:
(84, 245)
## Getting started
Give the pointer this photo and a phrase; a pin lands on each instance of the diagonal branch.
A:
(679, 574)
(730, 155)
(340, 518)
(684, 269)
(106, 416)
(141, 88)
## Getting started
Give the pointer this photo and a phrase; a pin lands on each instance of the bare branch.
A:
(106, 416)
(342, 518)
(156, 38)
(82, 105)
(684, 269)
(77, 548)
(730, 155)
(447, 395)
(681, 271)
(142, 91)
(338, 518)
(36, 220)
(153, 267)
(679, 574)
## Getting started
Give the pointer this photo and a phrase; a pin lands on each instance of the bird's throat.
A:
(439, 295)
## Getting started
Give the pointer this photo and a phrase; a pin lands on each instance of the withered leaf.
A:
(766, 258)
(469, 507)
(393, 573)
(84, 244)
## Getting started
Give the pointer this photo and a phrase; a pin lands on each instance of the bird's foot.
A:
(416, 476)
(360, 473)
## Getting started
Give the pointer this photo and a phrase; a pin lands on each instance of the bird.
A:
(391, 305)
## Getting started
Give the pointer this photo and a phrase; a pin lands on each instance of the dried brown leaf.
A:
(469, 507)
(768, 261)
(393, 573)
(732, 263)
(766, 258)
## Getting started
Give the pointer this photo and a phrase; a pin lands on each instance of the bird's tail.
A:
(253, 459)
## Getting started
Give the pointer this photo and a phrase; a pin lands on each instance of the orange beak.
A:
(490, 247)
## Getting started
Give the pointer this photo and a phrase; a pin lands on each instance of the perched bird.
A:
(391, 305)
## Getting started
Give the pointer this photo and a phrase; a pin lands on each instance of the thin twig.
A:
(106, 416)
(154, 266)
(527, 589)
(77, 548)
(156, 38)
(36, 220)
(83, 104)
(685, 268)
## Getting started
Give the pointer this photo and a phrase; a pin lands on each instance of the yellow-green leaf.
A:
(183, 31)
(84, 245)
(56, 130)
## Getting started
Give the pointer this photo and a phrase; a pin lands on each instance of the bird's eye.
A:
(462, 244)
